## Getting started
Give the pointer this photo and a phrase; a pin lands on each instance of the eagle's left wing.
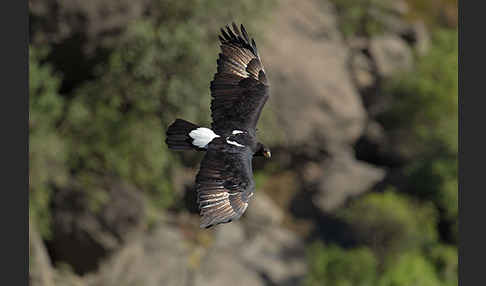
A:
(239, 89)
(224, 185)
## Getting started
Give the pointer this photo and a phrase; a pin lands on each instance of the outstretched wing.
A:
(239, 89)
(224, 184)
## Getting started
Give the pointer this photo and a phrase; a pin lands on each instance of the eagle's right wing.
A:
(239, 89)
(224, 184)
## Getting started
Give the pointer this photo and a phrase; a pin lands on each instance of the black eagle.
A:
(239, 91)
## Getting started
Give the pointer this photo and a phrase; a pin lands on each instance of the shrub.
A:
(411, 268)
(332, 265)
(444, 258)
(390, 223)
(47, 149)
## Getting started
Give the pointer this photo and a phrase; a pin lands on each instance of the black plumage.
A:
(239, 90)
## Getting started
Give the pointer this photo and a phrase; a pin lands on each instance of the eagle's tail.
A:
(184, 135)
(178, 135)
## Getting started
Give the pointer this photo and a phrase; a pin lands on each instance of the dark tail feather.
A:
(178, 135)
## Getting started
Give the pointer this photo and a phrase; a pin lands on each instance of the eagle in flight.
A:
(239, 91)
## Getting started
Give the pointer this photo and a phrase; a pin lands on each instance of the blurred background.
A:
(362, 121)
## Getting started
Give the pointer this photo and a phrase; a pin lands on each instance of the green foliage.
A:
(332, 265)
(435, 178)
(391, 223)
(411, 268)
(445, 260)
(424, 119)
(122, 141)
(46, 147)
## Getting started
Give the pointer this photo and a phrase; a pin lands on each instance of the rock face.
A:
(362, 71)
(316, 101)
(160, 258)
(419, 37)
(311, 90)
(263, 212)
(231, 254)
(278, 255)
(335, 186)
(391, 54)
(222, 268)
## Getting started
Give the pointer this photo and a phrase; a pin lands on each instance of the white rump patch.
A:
(236, 132)
(234, 143)
(202, 137)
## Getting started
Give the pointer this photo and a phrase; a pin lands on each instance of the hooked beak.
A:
(267, 154)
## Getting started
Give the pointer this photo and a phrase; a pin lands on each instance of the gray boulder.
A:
(391, 54)
(343, 177)
(221, 268)
(362, 70)
(263, 212)
(278, 255)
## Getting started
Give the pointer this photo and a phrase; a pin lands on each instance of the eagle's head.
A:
(263, 150)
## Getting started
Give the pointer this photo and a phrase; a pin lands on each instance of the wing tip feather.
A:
(239, 37)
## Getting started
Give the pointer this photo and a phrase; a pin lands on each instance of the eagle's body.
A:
(239, 91)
